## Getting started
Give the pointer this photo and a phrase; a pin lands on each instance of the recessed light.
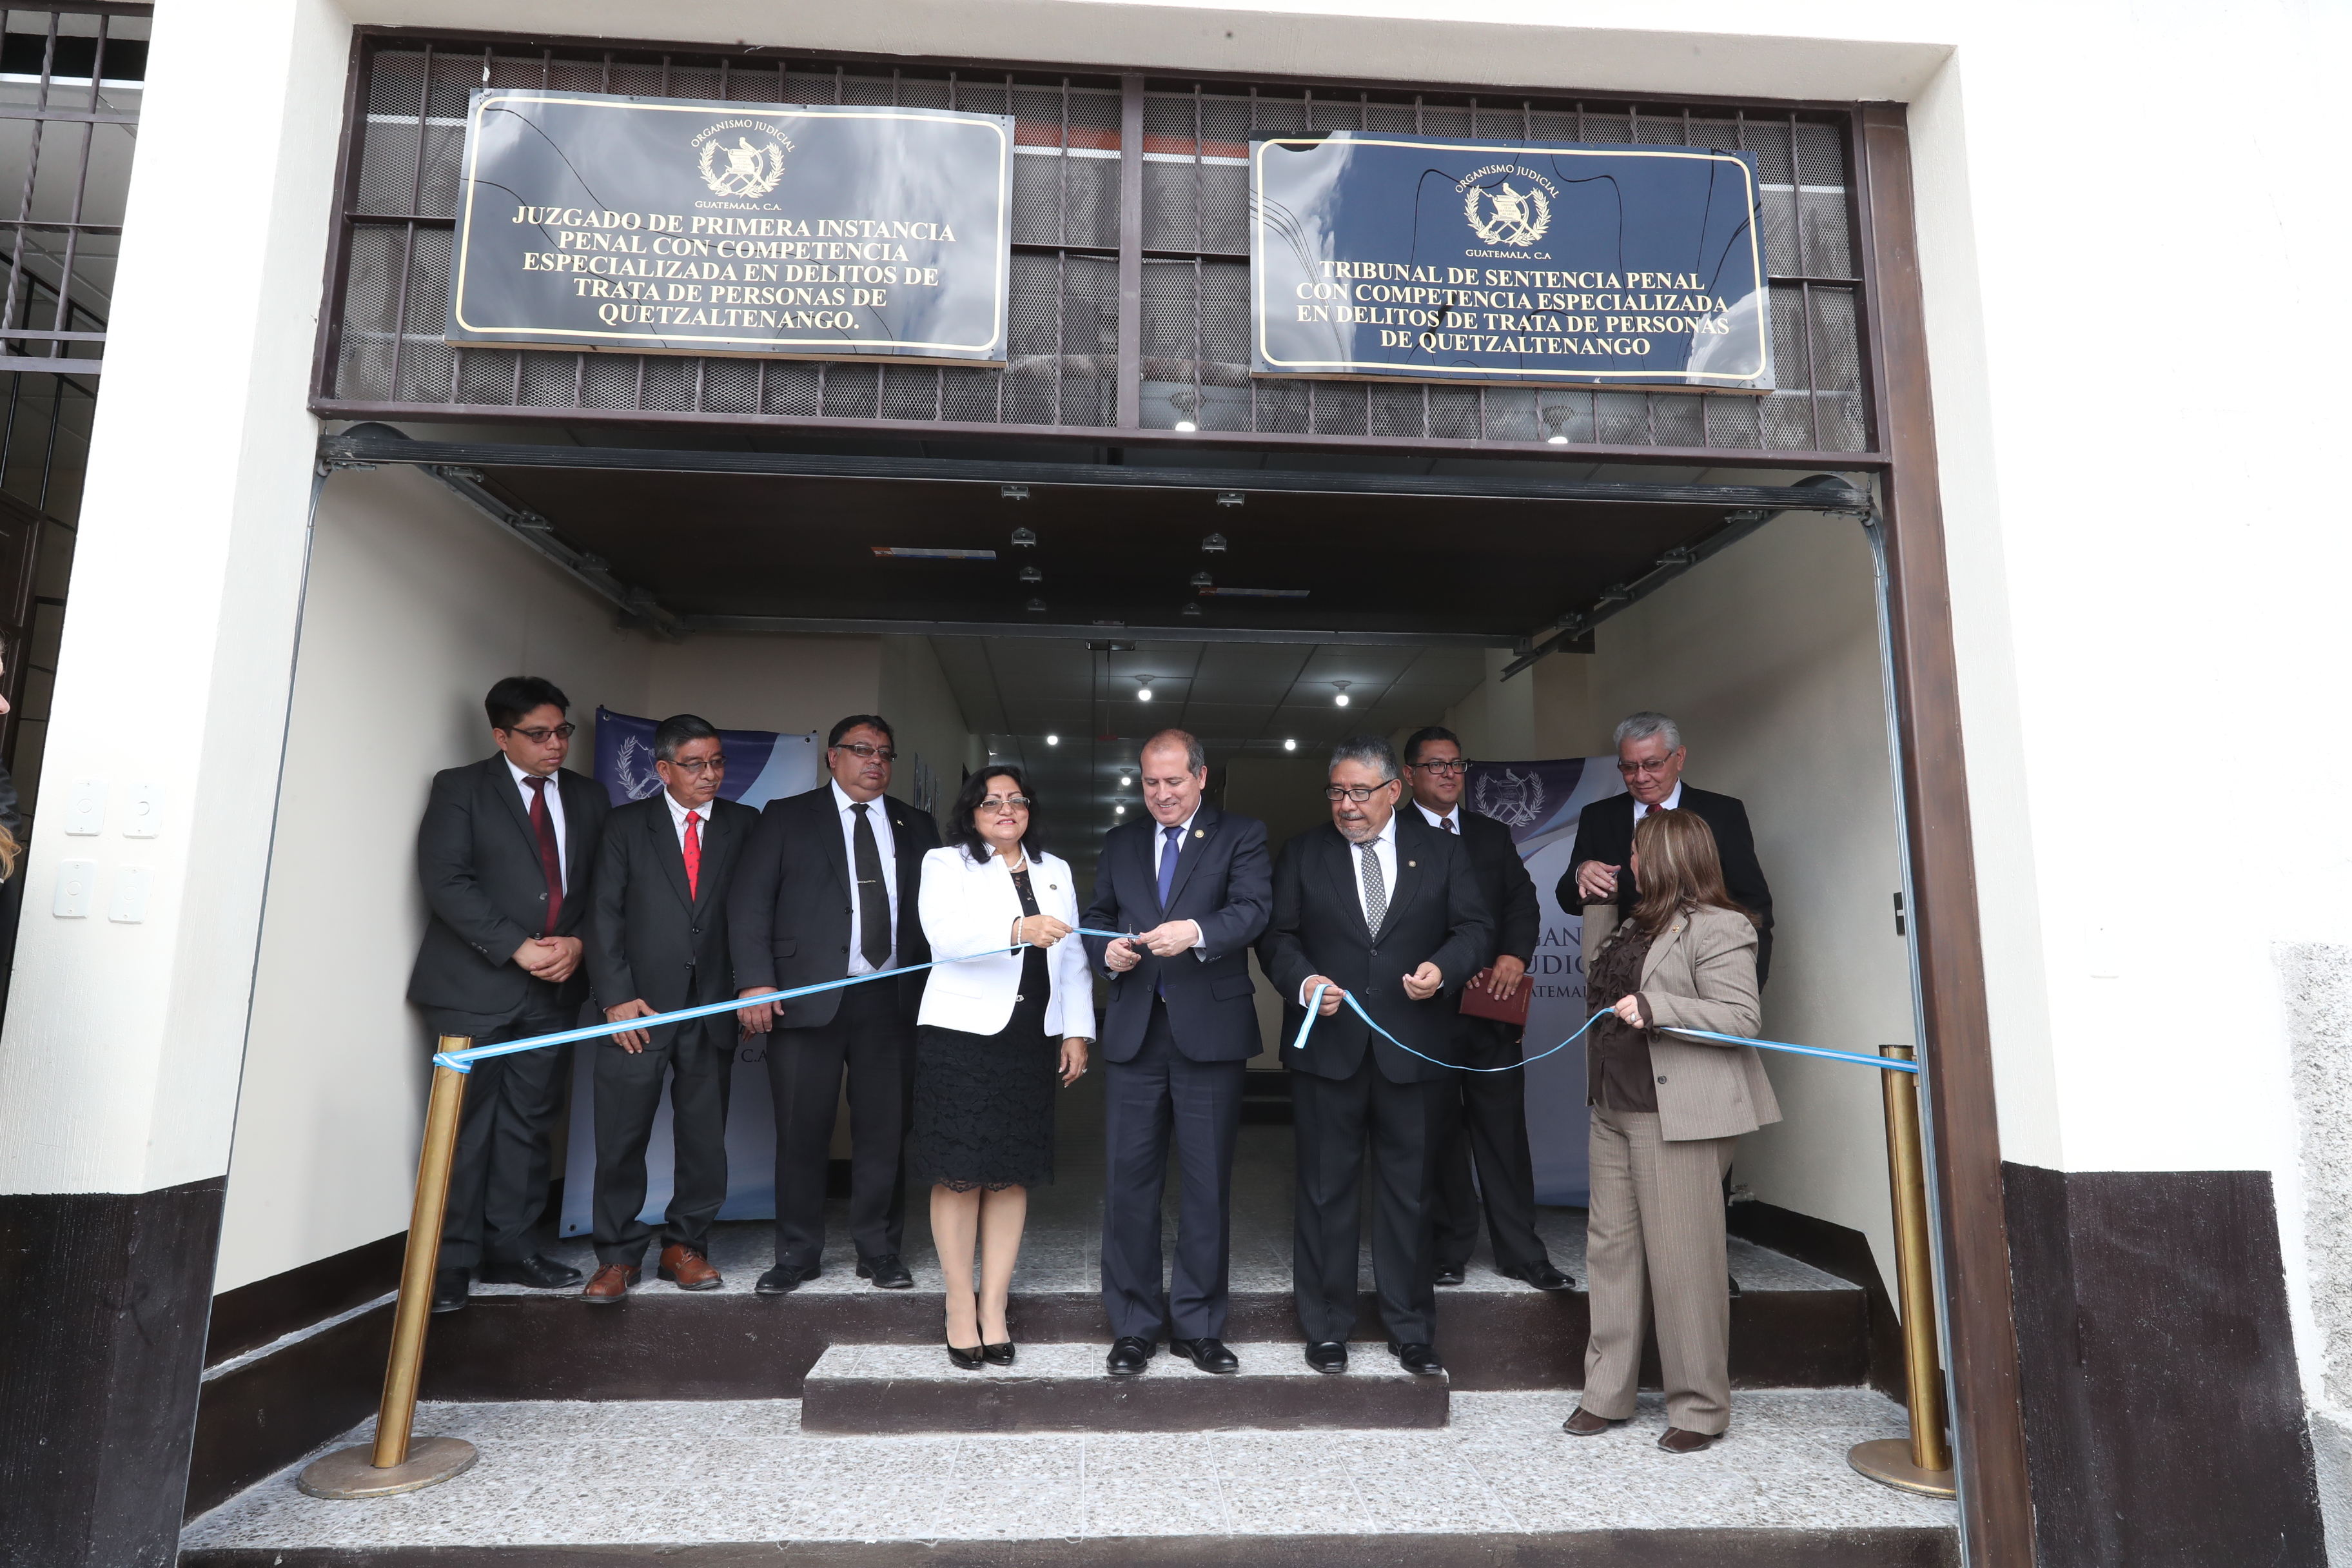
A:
(1052, 740)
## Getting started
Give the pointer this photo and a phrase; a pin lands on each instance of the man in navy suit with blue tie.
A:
(1195, 885)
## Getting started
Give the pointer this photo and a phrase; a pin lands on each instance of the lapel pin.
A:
(1198, 833)
(1412, 863)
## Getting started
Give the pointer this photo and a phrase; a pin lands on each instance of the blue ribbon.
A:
(1315, 1004)
(463, 1061)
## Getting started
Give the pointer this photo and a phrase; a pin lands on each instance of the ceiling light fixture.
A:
(1202, 580)
(1052, 740)
(1229, 497)
(1035, 606)
(1124, 781)
(1028, 573)
(1192, 609)
(1025, 536)
(1186, 402)
(1118, 811)
(1144, 687)
(1214, 544)
(1342, 699)
(1290, 745)
(1015, 493)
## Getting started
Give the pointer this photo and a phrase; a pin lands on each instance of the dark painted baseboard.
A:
(1875, 1548)
(101, 1343)
(262, 1416)
(252, 1315)
(1836, 1250)
(2164, 1418)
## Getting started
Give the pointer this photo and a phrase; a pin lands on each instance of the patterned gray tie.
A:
(1376, 892)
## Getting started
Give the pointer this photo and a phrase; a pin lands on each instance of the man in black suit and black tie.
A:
(829, 888)
(657, 941)
(1196, 885)
(506, 851)
(1381, 907)
(1490, 1119)
(1650, 757)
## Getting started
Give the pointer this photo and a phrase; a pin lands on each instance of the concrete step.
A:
(868, 1390)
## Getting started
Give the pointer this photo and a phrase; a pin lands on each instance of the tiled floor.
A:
(584, 1473)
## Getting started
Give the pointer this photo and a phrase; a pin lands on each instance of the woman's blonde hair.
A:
(10, 850)
(1680, 868)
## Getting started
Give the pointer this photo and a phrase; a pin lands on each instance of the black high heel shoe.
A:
(997, 1355)
(967, 1360)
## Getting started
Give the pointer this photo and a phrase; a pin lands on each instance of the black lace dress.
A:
(984, 1103)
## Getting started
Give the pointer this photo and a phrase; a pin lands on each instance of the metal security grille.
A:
(1067, 365)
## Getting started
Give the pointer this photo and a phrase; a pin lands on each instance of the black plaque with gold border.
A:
(599, 222)
(1502, 263)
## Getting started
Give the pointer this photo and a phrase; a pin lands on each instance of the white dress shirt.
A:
(1672, 802)
(1159, 848)
(555, 812)
(678, 814)
(1383, 846)
(877, 811)
(1444, 821)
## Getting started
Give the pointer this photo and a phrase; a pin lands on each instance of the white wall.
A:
(922, 709)
(416, 605)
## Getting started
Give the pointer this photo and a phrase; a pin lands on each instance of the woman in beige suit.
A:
(1668, 1112)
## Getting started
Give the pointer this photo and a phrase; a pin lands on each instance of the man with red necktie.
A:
(505, 852)
(657, 941)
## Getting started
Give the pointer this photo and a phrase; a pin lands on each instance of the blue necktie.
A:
(1167, 880)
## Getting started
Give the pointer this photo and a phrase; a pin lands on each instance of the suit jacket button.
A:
(1662, 1080)
(844, 950)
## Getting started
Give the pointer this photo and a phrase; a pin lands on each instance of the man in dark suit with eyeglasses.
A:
(828, 889)
(507, 853)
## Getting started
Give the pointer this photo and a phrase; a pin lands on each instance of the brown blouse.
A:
(1617, 1073)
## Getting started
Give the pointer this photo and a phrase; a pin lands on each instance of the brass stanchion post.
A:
(392, 1464)
(1924, 1464)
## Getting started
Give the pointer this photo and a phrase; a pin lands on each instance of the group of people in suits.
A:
(1375, 923)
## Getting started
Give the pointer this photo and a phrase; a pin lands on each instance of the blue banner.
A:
(761, 765)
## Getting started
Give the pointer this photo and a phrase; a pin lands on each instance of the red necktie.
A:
(551, 858)
(693, 847)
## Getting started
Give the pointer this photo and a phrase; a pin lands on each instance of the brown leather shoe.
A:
(1678, 1441)
(1585, 1424)
(687, 1269)
(609, 1284)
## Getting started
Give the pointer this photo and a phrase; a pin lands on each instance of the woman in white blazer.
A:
(1668, 1112)
(997, 1029)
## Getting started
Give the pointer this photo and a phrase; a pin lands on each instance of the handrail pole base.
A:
(1923, 1464)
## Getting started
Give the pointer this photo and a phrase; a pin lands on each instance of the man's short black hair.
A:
(678, 730)
(1424, 736)
(854, 721)
(517, 695)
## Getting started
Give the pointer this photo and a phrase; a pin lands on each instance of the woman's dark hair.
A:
(961, 830)
(1680, 870)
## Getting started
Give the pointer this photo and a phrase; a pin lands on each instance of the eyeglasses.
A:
(1654, 766)
(1005, 802)
(865, 752)
(1445, 769)
(539, 737)
(709, 765)
(1359, 795)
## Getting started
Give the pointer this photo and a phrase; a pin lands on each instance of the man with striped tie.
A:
(1381, 908)
(658, 942)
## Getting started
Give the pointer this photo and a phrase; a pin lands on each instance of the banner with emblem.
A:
(1507, 263)
(592, 221)
(1539, 803)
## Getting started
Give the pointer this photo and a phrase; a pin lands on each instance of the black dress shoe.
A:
(1208, 1355)
(1732, 1280)
(1448, 1274)
(1128, 1355)
(1328, 1355)
(1542, 1276)
(539, 1271)
(449, 1287)
(997, 1355)
(782, 1279)
(886, 1272)
(1418, 1359)
(967, 1360)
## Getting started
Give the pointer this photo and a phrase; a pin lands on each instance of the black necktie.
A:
(873, 897)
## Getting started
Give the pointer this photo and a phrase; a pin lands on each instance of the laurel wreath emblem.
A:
(744, 176)
(1513, 220)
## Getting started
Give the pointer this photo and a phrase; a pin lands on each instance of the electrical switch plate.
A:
(77, 884)
(86, 807)
(144, 810)
(129, 904)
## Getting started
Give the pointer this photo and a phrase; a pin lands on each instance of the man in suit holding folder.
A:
(1381, 907)
(658, 943)
(1490, 1118)
(1195, 884)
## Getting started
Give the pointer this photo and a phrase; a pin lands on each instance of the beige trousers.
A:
(1655, 1237)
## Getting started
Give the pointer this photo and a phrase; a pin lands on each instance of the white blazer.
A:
(969, 907)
